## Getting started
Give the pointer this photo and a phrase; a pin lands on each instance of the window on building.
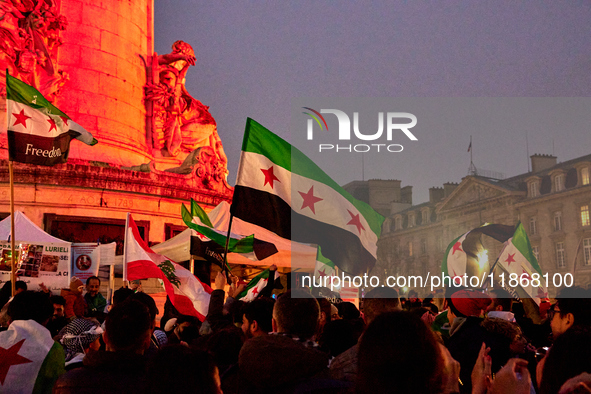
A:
(423, 246)
(534, 188)
(439, 243)
(587, 250)
(585, 176)
(536, 251)
(425, 216)
(410, 248)
(585, 215)
(411, 220)
(398, 223)
(560, 258)
(559, 183)
(533, 228)
(558, 221)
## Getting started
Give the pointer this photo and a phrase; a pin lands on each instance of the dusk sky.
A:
(254, 58)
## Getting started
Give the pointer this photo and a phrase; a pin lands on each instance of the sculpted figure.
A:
(29, 38)
(182, 123)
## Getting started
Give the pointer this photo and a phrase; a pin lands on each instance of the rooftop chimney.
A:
(448, 188)
(406, 194)
(436, 194)
(542, 162)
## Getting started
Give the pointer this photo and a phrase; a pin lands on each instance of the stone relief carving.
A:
(29, 39)
(182, 126)
(476, 192)
(205, 165)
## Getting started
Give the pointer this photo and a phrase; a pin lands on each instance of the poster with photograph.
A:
(85, 260)
(88, 257)
(37, 263)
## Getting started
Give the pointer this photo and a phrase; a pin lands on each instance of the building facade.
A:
(553, 203)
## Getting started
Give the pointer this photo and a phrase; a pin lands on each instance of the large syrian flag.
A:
(212, 241)
(30, 360)
(38, 132)
(281, 189)
(518, 258)
(188, 295)
(466, 254)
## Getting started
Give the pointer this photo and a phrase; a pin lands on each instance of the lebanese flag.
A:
(38, 132)
(282, 190)
(188, 295)
(30, 360)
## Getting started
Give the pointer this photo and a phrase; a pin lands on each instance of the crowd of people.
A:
(455, 341)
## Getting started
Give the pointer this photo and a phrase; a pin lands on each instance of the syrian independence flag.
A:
(38, 132)
(281, 189)
(324, 267)
(30, 360)
(518, 258)
(256, 285)
(466, 254)
(188, 295)
(213, 241)
(304, 254)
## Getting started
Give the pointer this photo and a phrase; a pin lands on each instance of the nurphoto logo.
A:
(395, 122)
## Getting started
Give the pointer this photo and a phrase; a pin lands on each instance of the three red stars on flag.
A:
(309, 199)
(21, 118)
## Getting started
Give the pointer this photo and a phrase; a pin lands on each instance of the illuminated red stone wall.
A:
(102, 52)
(104, 44)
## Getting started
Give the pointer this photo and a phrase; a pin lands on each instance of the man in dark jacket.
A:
(467, 333)
(288, 358)
(121, 368)
(95, 302)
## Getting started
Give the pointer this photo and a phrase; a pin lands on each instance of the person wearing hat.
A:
(75, 304)
(78, 338)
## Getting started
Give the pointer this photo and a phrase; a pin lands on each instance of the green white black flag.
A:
(38, 132)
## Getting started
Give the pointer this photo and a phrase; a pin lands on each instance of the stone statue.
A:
(29, 39)
(181, 123)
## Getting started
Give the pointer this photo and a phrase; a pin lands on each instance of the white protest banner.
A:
(108, 254)
(38, 262)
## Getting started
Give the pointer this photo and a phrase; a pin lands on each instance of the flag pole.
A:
(11, 181)
(125, 249)
(111, 283)
(225, 268)
(12, 232)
